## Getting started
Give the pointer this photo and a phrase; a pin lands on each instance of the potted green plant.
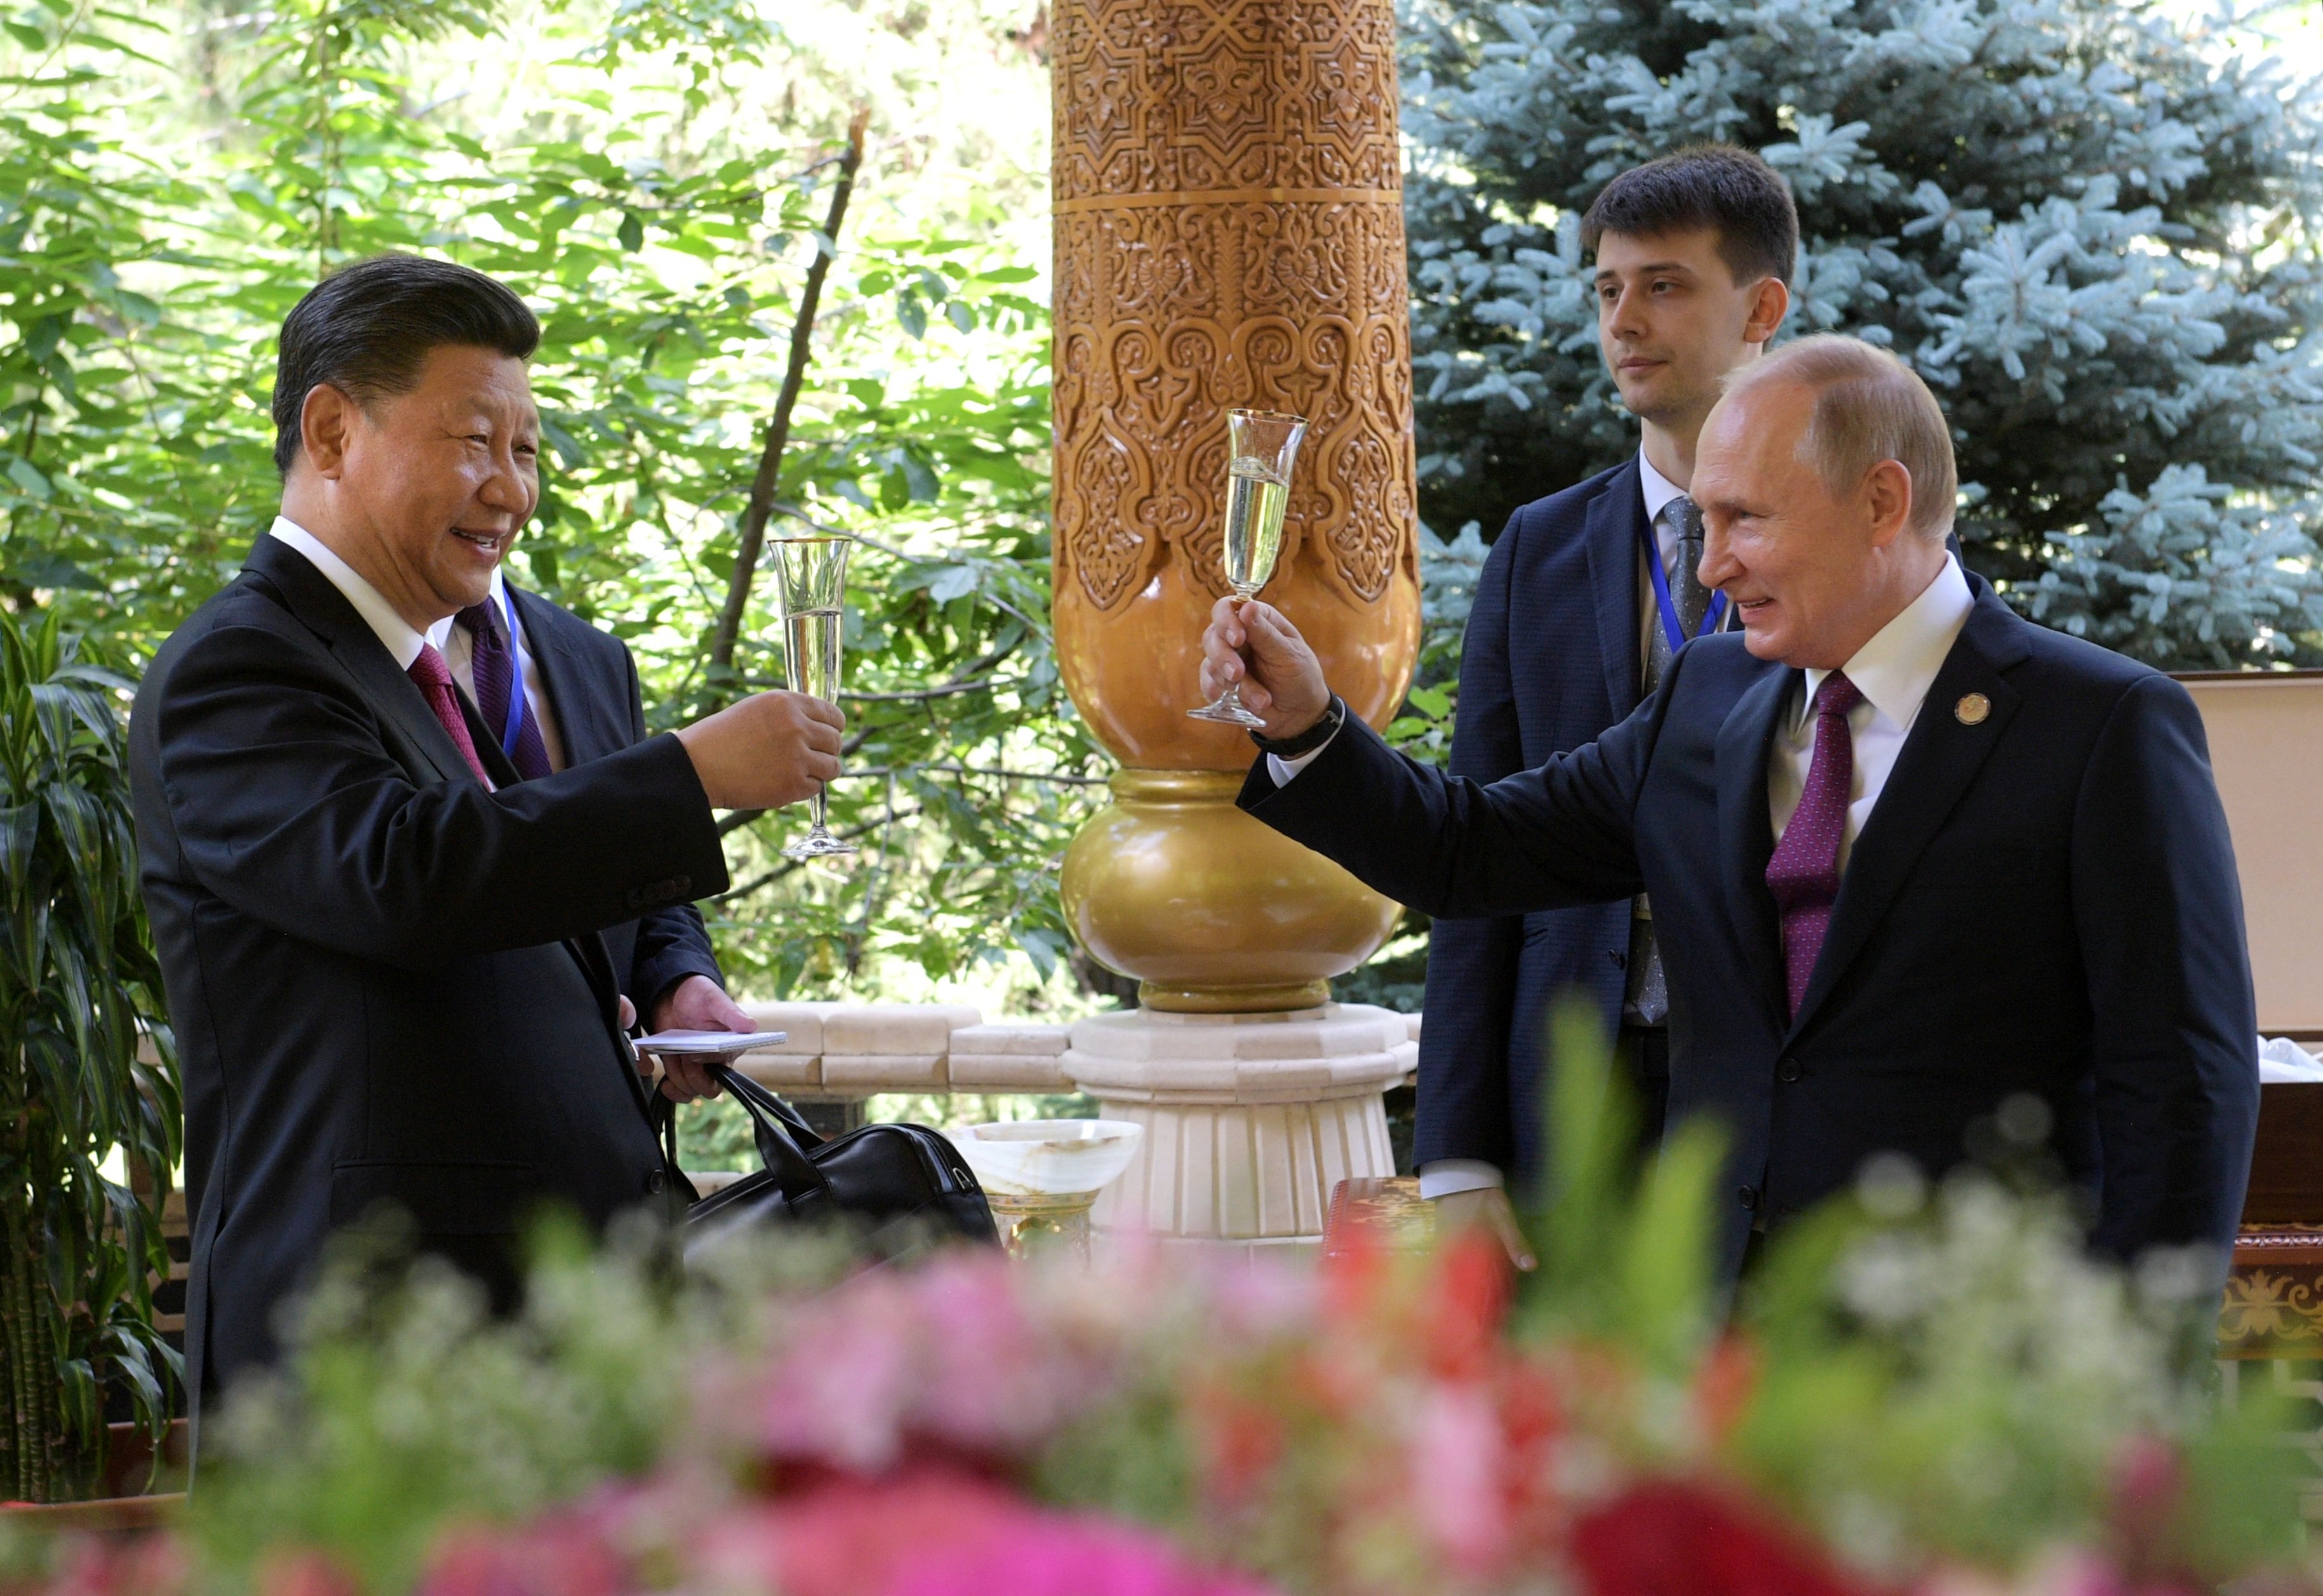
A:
(79, 1248)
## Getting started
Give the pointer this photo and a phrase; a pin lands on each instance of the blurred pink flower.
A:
(564, 1553)
(940, 1535)
(1457, 1457)
(1044, 1555)
(137, 1565)
(958, 1356)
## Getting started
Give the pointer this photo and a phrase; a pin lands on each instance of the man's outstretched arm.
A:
(1544, 838)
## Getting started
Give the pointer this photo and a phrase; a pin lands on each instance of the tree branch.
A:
(921, 694)
(788, 865)
(753, 537)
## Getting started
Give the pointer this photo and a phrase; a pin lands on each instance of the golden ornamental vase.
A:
(1229, 233)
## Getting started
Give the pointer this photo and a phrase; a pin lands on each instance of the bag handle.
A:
(661, 1114)
(776, 1127)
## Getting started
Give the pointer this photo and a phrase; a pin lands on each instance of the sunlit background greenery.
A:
(652, 174)
(653, 177)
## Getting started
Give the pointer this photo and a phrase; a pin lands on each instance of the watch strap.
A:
(1335, 715)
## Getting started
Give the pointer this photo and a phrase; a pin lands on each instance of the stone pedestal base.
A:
(1250, 1119)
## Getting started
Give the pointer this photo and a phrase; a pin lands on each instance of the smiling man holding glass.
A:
(382, 949)
(1915, 860)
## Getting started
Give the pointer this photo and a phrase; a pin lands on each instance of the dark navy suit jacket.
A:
(592, 683)
(2043, 902)
(386, 984)
(1551, 660)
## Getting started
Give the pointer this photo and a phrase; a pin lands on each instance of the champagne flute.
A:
(1261, 445)
(810, 584)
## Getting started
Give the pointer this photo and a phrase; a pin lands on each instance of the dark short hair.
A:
(367, 328)
(1720, 186)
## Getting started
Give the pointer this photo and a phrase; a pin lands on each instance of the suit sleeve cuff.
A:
(1447, 1175)
(1284, 770)
(655, 979)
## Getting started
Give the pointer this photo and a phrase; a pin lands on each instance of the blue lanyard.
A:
(1667, 605)
(516, 677)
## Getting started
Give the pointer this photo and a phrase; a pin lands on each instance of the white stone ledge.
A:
(840, 1049)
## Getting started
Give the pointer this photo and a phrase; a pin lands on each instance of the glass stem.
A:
(820, 807)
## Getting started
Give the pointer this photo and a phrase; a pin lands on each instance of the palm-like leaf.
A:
(80, 992)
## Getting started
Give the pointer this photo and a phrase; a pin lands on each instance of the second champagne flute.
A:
(810, 584)
(1261, 445)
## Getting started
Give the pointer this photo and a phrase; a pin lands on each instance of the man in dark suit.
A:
(1571, 627)
(383, 959)
(1911, 856)
(552, 691)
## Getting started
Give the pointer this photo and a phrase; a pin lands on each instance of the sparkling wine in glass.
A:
(1261, 445)
(811, 583)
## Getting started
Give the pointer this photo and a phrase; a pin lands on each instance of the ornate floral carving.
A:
(1229, 232)
(2274, 1302)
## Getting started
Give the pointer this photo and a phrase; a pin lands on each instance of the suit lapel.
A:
(325, 610)
(569, 699)
(1610, 533)
(1940, 758)
(574, 706)
(1745, 833)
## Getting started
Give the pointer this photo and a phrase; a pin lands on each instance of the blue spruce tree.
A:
(2093, 232)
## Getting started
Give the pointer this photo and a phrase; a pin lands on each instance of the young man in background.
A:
(1586, 597)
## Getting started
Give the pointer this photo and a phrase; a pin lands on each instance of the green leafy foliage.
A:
(623, 174)
(79, 990)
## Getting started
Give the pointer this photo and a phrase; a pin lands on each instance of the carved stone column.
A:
(1229, 233)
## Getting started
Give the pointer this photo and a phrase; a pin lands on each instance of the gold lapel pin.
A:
(1972, 708)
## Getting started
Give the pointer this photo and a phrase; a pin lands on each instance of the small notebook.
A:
(727, 1042)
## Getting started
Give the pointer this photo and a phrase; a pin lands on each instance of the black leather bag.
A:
(904, 1185)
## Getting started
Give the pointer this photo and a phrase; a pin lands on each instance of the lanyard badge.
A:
(1666, 606)
(516, 676)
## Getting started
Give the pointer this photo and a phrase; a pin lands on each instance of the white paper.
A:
(727, 1042)
(2282, 1059)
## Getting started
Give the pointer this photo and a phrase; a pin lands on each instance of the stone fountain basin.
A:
(1049, 1156)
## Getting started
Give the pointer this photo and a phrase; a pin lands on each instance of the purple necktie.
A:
(493, 662)
(1804, 874)
(433, 678)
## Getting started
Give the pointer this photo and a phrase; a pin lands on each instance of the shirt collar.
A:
(392, 631)
(1895, 670)
(1659, 490)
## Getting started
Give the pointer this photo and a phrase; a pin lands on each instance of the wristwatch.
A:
(1335, 715)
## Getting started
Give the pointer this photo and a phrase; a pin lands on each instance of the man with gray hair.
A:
(1917, 864)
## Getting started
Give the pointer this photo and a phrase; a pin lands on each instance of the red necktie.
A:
(1804, 874)
(435, 681)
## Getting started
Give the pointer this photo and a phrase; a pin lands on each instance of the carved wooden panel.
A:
(1229, 232)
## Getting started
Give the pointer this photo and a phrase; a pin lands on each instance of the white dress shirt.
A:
(1893, 671)
(402, 642)
(458, 645)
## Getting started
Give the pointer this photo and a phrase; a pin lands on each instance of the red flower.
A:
(1469, 1297)
(1723, 1385)
(1666, 1537)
